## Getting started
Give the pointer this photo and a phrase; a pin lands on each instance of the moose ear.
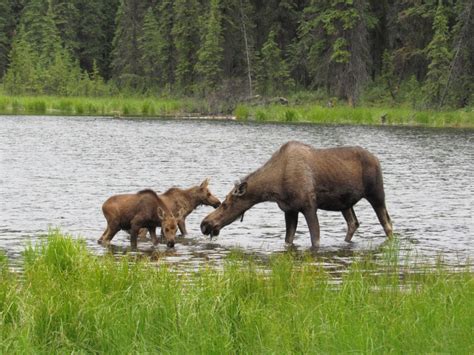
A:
(240, 189)
(205, 183)
(161, 213)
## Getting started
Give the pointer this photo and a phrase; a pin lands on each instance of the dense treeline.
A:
(389, 51)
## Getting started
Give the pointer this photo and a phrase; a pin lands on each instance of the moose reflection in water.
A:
(300, 178)
(131, 212)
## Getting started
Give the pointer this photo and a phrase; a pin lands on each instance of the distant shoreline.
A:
(187, 108)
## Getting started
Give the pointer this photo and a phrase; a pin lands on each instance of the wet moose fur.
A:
(300, 178)
(131, 212)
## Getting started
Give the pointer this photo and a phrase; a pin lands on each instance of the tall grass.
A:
(103, 106)
(359, 115)
(70, 301)
(300, 112)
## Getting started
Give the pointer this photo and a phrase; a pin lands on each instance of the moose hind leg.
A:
(291, 221)
(352, 222)
(313, 225)
(384, 219)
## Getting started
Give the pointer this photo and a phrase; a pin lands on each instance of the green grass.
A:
(102, 106)
(68, 300)
(305, 111)
(314, 113)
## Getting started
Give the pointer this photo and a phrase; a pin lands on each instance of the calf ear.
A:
(240, 189)
(161, 213)
(205, 183)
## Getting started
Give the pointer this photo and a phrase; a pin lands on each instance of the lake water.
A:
(57, 172)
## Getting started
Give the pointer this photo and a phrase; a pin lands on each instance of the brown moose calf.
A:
(131, 212)
(185, 201)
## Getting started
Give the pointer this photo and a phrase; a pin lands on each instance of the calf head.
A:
(237, 201)
(169, 226)
(204, 195)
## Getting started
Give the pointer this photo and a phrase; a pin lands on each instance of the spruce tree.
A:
(126, 55)
(22, 75)
(92, 42)
(61, 76)
(459, 89)
(98, 86)
(238, 31)
(388, 74)
(333, 39)
(66, 18)
(166, 50)
(439, 55)
(108, 17)
(40, 30)
(150, 43)
(39, 63)
(6, 15)
(186, 30)
(273, 75)
(281, 16)
(210, 54)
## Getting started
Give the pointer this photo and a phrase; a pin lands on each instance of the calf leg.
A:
(310, 214)
(154, 239)
(182, 227)
(142, 233)
(109, 233)
(134, 237)
(103, 235)
(291, 221)
(352, 223)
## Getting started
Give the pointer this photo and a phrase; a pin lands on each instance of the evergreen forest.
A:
(419, 52)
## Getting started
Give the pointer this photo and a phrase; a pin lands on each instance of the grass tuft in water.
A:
(68, 300)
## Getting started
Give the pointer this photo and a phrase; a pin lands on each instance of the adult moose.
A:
(131, 212)
(300, 178)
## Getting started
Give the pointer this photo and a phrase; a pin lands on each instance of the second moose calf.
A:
(132, 212)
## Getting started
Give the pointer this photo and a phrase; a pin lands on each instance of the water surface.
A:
(57, 172)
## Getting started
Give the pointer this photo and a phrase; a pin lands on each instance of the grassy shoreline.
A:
(68, 300)
(303, 113)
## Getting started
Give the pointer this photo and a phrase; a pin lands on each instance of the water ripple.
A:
(57, 172)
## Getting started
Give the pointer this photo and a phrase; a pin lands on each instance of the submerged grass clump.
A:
(68, 300)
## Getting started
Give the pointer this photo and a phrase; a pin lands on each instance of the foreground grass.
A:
(70, 301)
(303, 112)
